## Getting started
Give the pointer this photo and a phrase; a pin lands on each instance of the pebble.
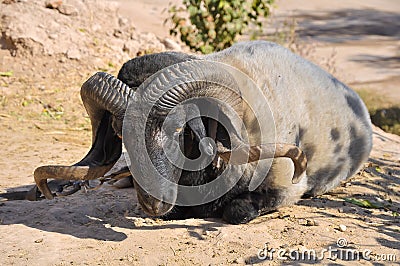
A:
(124, 22)
(238, 261)
(74, 54)
(8, 2)
(53, 4)
(311, 222)
(342, 228)
(149, 221)
(67, 10)
(53, 36)
(171, 45)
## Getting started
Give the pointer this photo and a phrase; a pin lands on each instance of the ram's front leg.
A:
(244, 208)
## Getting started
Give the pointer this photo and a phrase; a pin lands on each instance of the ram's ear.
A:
(196, 124)
(107, 144)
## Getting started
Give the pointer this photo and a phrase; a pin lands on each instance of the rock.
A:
(67, 10)
(138, 222)
(53, 36)
(342, 228)
(125, 23)
(148, 221)
(311, 223)
(117, 33)
(31, 29)
(171, 45)
(8, 2)
(131, 48)
(74, 54)
(238, 261)
(53, 4)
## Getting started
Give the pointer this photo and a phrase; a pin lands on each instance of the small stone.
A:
(342, 228)
(131, 47)
(138, 222)
(149, 221)
(53, 36)
(207, 233)
(53, 4)
(8, 2)
(40, 240)
(171, 45)
(124, 22)
(73, 54)
(238, 261)
(67, 10)
(311, 223)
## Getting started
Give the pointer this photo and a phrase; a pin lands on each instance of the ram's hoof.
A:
(33, 194)
(72, 187)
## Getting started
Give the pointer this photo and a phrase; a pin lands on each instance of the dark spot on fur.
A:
(297, 140)
(338, 148)
(355, 104)
(329, 172)
(335, 134)
(356, 149)
(320, 178)
(336, 82)
(309, 150)
(302, 131)
(341, 160)
(300, 136)
(250, 50)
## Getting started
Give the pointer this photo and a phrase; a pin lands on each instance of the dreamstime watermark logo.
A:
(339, 252)
(184, 95)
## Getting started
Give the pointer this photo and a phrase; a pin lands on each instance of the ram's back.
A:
(310, 108)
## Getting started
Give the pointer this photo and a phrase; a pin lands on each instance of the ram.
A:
(266, 124)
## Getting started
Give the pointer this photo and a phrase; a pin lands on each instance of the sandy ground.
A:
(107, 226)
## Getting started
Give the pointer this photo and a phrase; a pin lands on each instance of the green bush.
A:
(212, 25)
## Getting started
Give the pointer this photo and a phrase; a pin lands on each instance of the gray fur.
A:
(331, 121)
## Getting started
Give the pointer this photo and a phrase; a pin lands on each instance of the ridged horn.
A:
(105, 99)
(103, 92)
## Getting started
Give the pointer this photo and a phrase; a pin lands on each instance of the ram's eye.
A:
(179, 129)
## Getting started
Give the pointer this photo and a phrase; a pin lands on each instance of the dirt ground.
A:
(42, 121)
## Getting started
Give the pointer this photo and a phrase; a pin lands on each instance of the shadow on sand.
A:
(349, 24)
(96, 214)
